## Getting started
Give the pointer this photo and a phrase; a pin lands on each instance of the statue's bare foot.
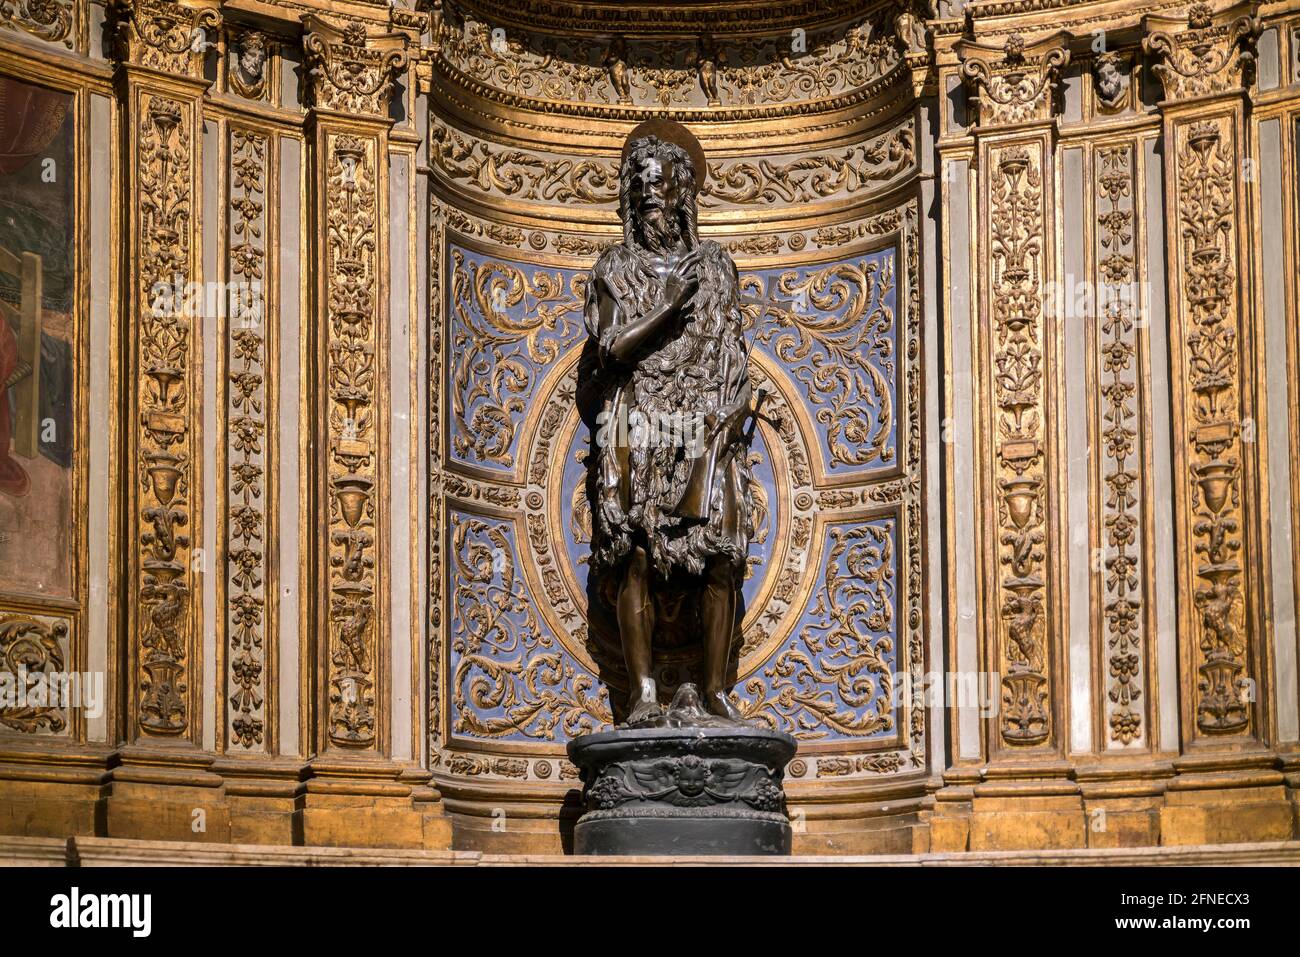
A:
(719, 703)
(643, 710)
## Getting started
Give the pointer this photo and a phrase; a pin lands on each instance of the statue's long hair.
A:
(683, 177)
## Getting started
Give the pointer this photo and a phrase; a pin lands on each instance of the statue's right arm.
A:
(622, 336)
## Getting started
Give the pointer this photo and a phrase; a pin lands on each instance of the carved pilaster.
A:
(1014, 138)
(248, 642)
(1123, 443)
(352, 80)
(1204, 65)
(160, 46)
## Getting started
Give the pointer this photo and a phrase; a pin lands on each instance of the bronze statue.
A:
(665, 387)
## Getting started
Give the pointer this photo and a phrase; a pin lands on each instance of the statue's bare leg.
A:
(636, 623)
(718, 610)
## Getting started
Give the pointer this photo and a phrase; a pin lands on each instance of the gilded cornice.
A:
(1015, 81)
(704, 79)
(1205, 53)
(659, 19)
(350, 70)
(856, 174)
(161, 35)
(992, 22)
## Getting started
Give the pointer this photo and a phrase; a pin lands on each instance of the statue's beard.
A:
(660, 233)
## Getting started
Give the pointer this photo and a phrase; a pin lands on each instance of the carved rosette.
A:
(351, 74)
(45, 19)
(1119, 425)
(246, 405)
(1015, 90)
(1210, 331)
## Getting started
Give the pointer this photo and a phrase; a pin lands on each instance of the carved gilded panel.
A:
(37, 674)
(50, 20)
(1209, 324)
(351, 291)
(166, 354)
(1017, 334)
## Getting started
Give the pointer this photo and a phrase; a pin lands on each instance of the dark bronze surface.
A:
(664, 388)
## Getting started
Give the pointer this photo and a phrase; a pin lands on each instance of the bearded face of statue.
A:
(1110, 79)
(657, 201)
(252, 57)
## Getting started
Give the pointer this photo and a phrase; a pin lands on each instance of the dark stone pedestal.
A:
(683, 790)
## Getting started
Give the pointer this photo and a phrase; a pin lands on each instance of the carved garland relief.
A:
(1119, 424)
(247, 397)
